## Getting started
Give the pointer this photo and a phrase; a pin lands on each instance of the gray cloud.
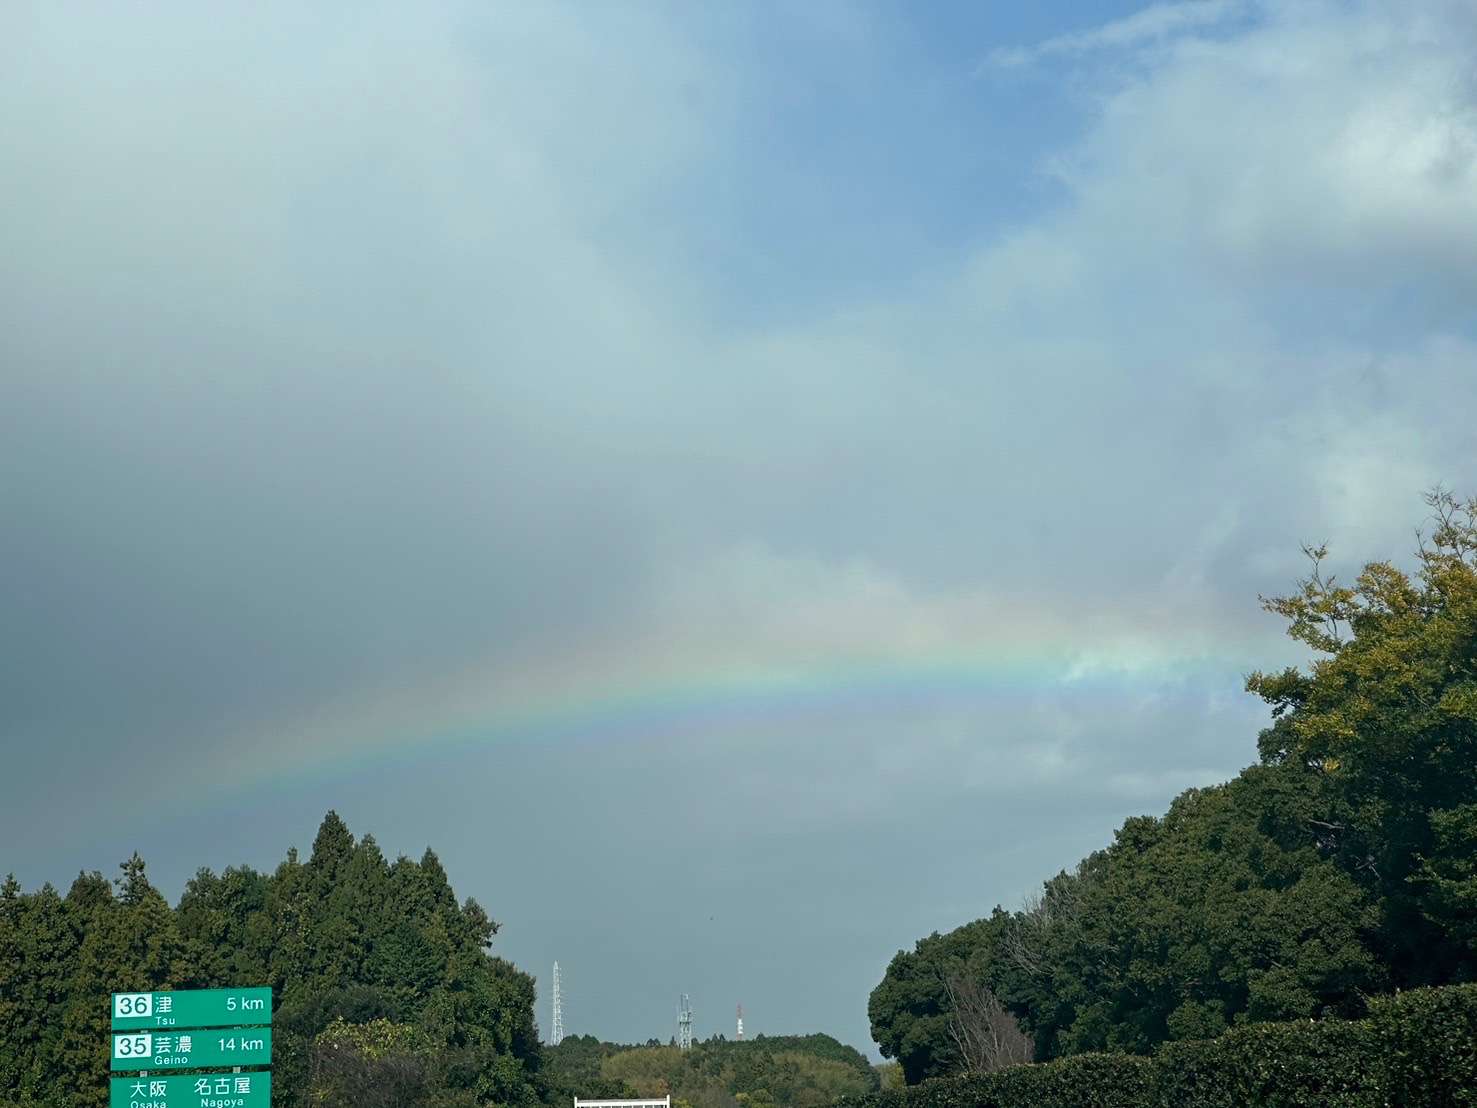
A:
(363, 382)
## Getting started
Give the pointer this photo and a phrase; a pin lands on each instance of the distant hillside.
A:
(768, 1071)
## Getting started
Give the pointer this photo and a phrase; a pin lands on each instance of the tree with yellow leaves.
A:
(1388, 713)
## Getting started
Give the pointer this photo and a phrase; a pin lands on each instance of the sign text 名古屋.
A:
(216, 1090)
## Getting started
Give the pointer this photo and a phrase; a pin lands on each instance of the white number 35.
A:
(133, 1046)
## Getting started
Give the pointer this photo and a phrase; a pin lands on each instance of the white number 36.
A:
(133, 1004)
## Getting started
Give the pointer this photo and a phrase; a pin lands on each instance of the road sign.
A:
(179, 1050)
(218, 1090)
(192, 1008)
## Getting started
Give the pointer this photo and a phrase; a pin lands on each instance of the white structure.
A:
(556, 1027)
(684, 1024)
(665, 1102)
(741, 1023)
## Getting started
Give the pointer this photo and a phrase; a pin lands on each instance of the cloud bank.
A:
(539, 413)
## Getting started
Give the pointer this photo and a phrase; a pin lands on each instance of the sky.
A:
(750, 485)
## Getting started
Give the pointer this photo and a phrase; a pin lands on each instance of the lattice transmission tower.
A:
(556, 1029)
(684, 1024)
(741, 1023)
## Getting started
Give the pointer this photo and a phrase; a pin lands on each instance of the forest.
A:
(383, 994)
(383, 989)
(768, 1071)
(1341, 867)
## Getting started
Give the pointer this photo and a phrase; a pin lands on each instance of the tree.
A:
(345, 940)
(774, 1071)
(128, 942)
(1221, 912)
(890, 1076)
(910, 1010)
(1343, 864)
(1387, 713)
(39, 942)
(573, 1068)
(379, 1064)
(1447, 878)
(986, 1035)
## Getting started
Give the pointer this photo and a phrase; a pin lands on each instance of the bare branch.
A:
(986, 1035)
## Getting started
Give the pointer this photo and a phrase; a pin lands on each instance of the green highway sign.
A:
(220, 1090)
(192, 1008)
(177, 1050)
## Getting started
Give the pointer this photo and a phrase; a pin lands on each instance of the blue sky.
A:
(749, 484)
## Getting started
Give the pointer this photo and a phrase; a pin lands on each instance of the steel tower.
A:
(684, 1024)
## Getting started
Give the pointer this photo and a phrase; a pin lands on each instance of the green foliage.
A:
(1341, 866)
(651, 1071)
(770, 1071)
(1332, 1064)
(1207, 917)
(1447, 878)
(352, 946)
(368, 1065)
(40, 936)
(1221, 912)
(1416, 1050)
(890, 1075)
(573, 1068)
(1428, 1041)
(909, 1010)
(1085, 1081)
(128, 942)
(375, 1040)
(1388, 713)
(850, 1063)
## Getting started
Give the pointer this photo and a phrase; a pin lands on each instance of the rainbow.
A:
(649, 690)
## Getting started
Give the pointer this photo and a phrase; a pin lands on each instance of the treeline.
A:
(1340, 867)
(1414, 1050)
(384, 994)
(769, 1071)
(383, 990)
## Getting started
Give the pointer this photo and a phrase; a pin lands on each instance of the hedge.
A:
(1332, 1064)
(1428, 1047)
(1082, 1081)
(1415, 1050)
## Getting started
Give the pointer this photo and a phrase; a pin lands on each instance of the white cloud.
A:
(1152, 25)
(1097, 437)
(1340, 148)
